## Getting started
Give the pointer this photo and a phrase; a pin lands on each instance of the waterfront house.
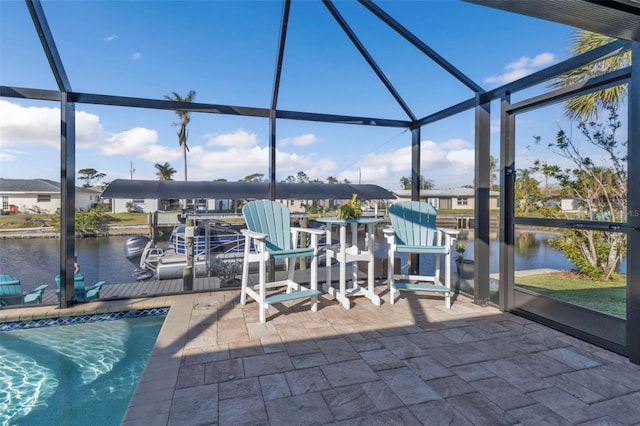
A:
(40, 196)
(453, 198)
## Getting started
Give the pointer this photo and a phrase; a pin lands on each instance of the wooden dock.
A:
(176, 286)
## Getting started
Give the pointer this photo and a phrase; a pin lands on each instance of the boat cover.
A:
(171, 189)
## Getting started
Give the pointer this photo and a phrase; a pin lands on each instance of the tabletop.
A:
(338, 221)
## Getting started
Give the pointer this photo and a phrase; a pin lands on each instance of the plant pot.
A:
(465, 268)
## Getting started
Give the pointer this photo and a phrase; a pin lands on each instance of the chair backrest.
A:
(414, 223)
(78, 283)
(271, 218)
(9, 286)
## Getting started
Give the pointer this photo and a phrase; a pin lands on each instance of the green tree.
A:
(600, 189)
(332, 179)
(185, 118)
(165, 171)
(90, 176)
(302, 177)
(587, 107)
(92, 222)
(425, 183)
(527, 192)
(255, 177)
(405, 182)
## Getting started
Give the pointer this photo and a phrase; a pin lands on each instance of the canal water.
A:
(36, 261)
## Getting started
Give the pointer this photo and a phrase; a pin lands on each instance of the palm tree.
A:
(165, 171)
(185, 117)
(586, 107)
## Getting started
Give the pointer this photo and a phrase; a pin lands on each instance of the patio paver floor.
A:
(414, 362)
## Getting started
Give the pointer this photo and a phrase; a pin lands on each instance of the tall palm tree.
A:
(165, 171)
(185, 117)
(586, 107)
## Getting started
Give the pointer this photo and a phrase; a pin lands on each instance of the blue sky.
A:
(226, 52)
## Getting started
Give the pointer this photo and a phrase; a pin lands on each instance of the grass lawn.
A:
(604, 296)
(16, 221)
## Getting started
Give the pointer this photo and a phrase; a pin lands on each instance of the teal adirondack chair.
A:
(270, 233)
(11, 292)
(413, 231)
(81, 293)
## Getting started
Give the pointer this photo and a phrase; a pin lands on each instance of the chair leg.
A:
(391, 267)
(314, 275)
(245, 270)
(263, 290)
(447, 279)
(245, 281)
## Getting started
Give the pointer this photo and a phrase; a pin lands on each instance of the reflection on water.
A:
(36, 261)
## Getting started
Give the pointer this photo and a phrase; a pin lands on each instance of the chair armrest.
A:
(450, 231)
(253, 234)
(97, 285)
(388, 231)
(316, 231)
(38, 289)
(93, 292)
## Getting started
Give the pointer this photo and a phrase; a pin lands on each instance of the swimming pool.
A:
(74, 371)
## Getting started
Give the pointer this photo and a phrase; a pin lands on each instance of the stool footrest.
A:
(400, 285)
(283, 297)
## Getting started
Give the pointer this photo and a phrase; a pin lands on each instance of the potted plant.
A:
(464, 266)
(227, 271)
(351, 209)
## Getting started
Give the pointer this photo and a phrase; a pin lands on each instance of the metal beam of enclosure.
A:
(48, 44)
(482, 241)
(367, 57)
(422, 46)
(633, 213)
(274, 99)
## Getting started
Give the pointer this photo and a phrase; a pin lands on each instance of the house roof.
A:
(171, 189)
(443, 193)
(40, 186)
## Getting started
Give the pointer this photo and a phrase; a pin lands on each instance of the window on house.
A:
(44, 198)
(463, 201)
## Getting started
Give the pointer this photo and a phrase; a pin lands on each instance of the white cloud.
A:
(239, 138)
(302, 140)
(29, 125)
(111, 38)
(136, 55)
(522, 67)
(449, 164)
(142, 143)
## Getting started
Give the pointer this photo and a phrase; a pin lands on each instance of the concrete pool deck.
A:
(414, 362)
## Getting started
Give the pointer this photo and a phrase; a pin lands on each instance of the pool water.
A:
(76, 374)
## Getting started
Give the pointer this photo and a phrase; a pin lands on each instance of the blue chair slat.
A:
(414, 231)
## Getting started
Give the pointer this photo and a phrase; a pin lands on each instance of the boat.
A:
(217, 248)
(211, 243)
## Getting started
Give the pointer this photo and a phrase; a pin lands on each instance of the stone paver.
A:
(411, 363)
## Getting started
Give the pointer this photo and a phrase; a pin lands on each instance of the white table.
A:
(348, 252)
